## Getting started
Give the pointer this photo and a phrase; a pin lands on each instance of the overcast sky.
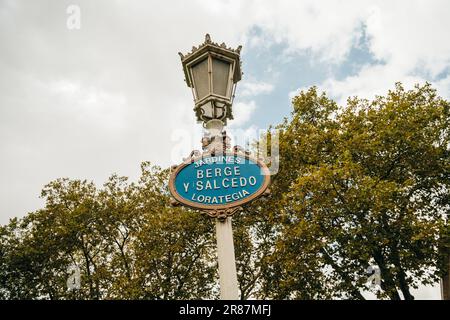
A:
(85, 103)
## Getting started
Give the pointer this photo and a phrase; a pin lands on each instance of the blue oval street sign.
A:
(219, 182)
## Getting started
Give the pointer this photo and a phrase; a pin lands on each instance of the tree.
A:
(362, 185)
(126, 238)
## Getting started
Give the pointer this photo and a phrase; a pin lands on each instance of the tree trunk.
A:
(387, 280)
(404, 287)
(354, 292)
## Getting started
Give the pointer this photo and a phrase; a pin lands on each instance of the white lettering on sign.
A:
(215, 184)
(218, 172)
(225, 183)
(219, 159)
(220, 199)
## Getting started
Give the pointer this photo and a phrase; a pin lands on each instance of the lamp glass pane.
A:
(201, 78)
(221, 76)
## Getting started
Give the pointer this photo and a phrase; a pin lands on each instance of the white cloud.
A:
(245, 137)
(242, 111)
(105, 109)
(254, 88)
(326, 29)
(443, 86)
(409, 42)
(411, 37)
(370, 81)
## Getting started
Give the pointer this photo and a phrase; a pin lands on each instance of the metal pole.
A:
(227, 264)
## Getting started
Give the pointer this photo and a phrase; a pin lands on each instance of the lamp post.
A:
(212, 71)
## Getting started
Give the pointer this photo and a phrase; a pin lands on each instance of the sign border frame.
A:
(196, 205)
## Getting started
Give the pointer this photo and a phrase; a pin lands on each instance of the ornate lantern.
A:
(212, 71)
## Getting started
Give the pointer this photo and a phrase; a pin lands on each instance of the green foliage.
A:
(357, 185)
(127, 239)
(361, 185)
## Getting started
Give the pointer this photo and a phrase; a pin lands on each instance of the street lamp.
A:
(212, 71)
